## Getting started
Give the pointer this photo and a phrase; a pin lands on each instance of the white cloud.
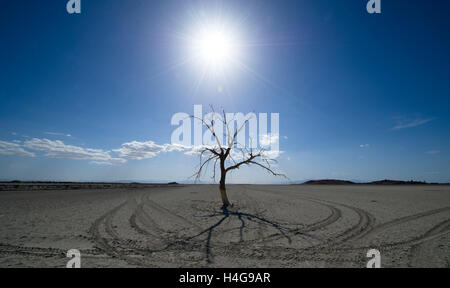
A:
(195, 150)
(102, 163)
(134, 150)
(8, 148)
(236, 154)
(364, 146)
(57, 134)
(143, 150)
(403, 123)
(265, 140)
(57, 149)
(265, 154)
(271, 154)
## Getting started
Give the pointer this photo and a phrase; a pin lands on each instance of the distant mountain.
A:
(397, 182)
(328, 182)
(380, 182)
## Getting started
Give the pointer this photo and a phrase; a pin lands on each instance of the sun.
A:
(215, 47)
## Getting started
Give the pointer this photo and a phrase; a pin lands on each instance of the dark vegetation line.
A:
(380, 182)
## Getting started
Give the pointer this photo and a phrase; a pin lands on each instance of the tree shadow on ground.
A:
(282, 229)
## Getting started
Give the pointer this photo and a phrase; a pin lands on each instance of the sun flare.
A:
(215, 47)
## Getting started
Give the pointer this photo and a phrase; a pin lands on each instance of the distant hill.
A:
(397, 182)
(328, 182)
(380, 182)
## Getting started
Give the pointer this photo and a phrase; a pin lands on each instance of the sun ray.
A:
(173, 66)
(258, 76)
(217, 47)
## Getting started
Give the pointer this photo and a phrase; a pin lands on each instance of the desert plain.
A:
(126, 225)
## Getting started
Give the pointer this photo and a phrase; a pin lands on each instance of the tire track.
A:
(103, 243)
(331, 254)
(439, 230)
(436, 231)
(335, 214)
(174, 216)
(405, 219)
(39, 251)
(252, 203)
(139, 214)
(418, 249)
(132, 251)
(331, 251)
(284, 253)
(364, 225)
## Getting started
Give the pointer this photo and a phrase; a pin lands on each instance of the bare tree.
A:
(231, 155)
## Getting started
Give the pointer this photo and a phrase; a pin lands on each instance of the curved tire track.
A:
(364, 225)
(405, 219)
(418, 249)
(103, 243)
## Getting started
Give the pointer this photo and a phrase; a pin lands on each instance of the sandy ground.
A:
(268, 226)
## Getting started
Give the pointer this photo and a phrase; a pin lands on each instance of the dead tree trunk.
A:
(218, 153)
(223, 190)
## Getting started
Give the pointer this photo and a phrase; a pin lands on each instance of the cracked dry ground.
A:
(268, 226)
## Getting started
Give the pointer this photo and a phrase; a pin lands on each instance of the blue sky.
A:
(360, 96)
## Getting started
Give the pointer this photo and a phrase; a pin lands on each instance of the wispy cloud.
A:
(265, 140)
(9, 148)
(404, 123)
(433, 152)
(57, 134)
(134, 150)
(236, 154)
(364, 146)
(103, 163)
(57, 149)
(143, 150)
